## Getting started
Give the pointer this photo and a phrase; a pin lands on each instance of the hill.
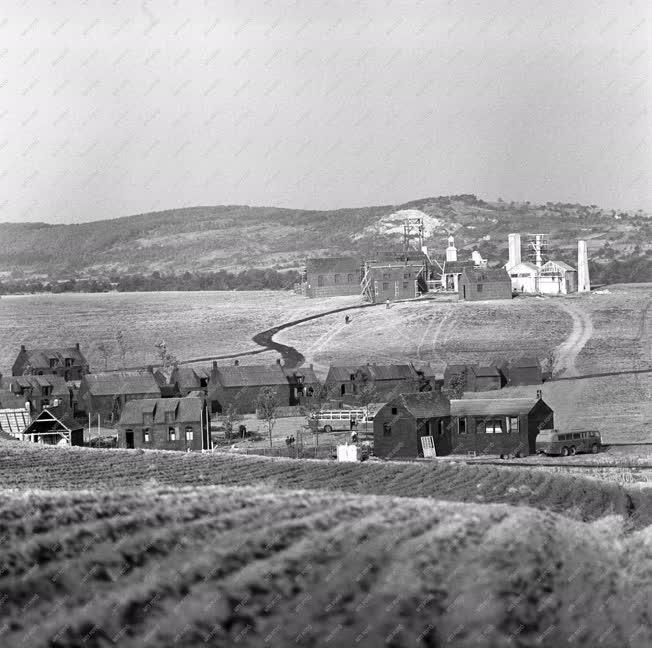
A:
(235, 237)
(274, 564)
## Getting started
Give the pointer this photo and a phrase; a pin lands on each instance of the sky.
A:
(111, 108)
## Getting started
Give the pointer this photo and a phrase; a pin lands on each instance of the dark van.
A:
(554, 442)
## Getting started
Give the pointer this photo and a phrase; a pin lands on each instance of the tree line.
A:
(251, 279)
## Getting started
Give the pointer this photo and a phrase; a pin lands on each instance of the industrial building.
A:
(330, 277)
(476, 284)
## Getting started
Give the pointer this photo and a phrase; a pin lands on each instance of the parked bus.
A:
(554, 442)
(338, 420)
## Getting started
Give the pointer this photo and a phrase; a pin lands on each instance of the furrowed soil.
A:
(243, 566)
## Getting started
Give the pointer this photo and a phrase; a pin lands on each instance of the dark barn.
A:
(165, 424)
(525, 371)
(478, 284)
(498, 425)
(347, 382)
(330, 277)
(67, 362)
(400, 424)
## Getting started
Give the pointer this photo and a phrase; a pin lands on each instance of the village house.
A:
(42, 391)
(67, 362)
(348, 382)
(240, 385)
(498, 426)
(400, 424)
(474, 378)
(525, 371)
(105, 394)
(483, 283)
(165, 424)
(54, 427)
(332, 276)
(189, 379)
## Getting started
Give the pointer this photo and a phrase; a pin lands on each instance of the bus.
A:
(554, 442)
(338, 420)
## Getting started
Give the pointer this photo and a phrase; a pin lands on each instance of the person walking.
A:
(387, 304)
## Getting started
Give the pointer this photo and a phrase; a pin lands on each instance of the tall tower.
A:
(451, 250)
(583, 281)
(514, 246)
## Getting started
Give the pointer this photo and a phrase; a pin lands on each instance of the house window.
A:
(46, 390)
(69, 362)
(489, 426)
(146, 435)
(512, 424)
(387, 430)
(385, 285)
(172, 434)
(337, 278)
(387, 275)
(479, 288)
(320, 280)
(352, 377)
(349, 278)
(53, 362)
(189, 433)
(461, 426)
(394, 411)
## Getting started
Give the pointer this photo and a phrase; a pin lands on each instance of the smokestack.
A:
(538, 261)
(514, 245)
(583, 280)
(451, 250)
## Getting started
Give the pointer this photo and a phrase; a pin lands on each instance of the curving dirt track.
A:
(568, 351)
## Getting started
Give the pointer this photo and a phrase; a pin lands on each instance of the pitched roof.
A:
(58, 418)
(559, 264)
(308, 374)
(456, 267)
(342, 373)
(183, 410)
(486, 274)
(190, 377)
(486, 371)
(492, 406)
(526, 361)
(456, 369)
(423, 404)
(328, 265)
(14, 421)
(250, 375)
(41, 357)
(112, 383)
(57, 383)
(523, 265)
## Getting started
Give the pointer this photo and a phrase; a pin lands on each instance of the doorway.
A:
(129, 438)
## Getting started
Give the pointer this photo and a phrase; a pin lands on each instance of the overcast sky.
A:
(115, 108)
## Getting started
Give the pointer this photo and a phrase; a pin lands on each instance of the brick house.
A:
(165, 424)
(332, 276)
(478, 284)
(476, 378)
(348, 381)
(67, 362)
(189, 379)
(394, 279)
(240, 385)
(42, 391)
(105, 394)
(400, 424)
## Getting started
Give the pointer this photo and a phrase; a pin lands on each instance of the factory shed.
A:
(483, 283)
(331, 276)
(557, 278)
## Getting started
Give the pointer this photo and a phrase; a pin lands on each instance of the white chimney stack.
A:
(583, 281)
(451, 250)
(514, 245)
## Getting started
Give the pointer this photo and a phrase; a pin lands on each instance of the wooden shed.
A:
(498, 425)
(400, 424)
(52, 427)
(525, 371)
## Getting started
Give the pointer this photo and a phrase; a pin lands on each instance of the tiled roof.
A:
(183, 410)
(331, 265)
(250, 375)
(492, 406)
(189, 377)
(113, 383)
(342, 373)
(41, 357)
(486, 274)
(423, 404)
(57, 383)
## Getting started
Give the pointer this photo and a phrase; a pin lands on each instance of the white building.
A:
(524, 277)
(557, 278)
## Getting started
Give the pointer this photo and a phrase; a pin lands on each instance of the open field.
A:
(244, 566)
(194, 324)
(25, 466)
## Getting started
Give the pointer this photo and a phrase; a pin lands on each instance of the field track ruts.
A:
(242, 566)
(32, 467)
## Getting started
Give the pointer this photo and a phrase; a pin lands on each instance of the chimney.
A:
(77, 346)
(236, 363)
(150, 369)
(539, 394)
(22, 347)
(451, 250)
(583, 280)
(278, 361)
(514, 246)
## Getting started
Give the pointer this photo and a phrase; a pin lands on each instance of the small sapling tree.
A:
(267, 406)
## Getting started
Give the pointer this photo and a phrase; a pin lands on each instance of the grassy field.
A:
(137, 549)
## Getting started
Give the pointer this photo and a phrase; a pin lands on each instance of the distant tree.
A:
(267, 406)
(231, 418)
(103, 349)
(121, 342)
(456, 385)
(169, 361)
